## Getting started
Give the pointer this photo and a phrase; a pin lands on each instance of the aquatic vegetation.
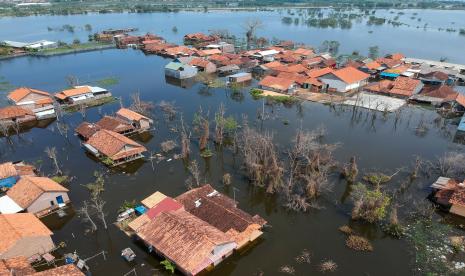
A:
(168, 266)
(328, 266)
(168, 146)
(346, 229)
(358, 243)
(111, 81)
(369, 205)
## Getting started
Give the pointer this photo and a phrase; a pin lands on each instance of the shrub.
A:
(370, 205)
(358, 243)
(328, 266)
(346, 229)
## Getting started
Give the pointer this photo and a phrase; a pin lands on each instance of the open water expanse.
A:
(380, 142)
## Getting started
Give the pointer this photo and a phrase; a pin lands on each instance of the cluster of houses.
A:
(25, 239)
(30, 104)
(196, 230)
(106, 139)
(287, 69)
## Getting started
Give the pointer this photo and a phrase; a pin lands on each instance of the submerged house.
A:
(405, 87)
(23, 235)
(240, 77)
(139, 121)
(180, 70)
(344, 80)
(201, 220)
(113, 148)
(203, 65)
(11, 172)
(12, 115)
(277, 84)
(115, 124)
(81, 94)
(39, 102)
(450, 194)
(221, 212)
(36, 195)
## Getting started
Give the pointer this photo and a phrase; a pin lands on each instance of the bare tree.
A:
(451, 165)
(52, 154)
(194, 179)
(185, 141)
(139, 106)
(168, 109)
(82, 110)
(250, 27)
(261, 161)
(98, 204)
(72, 80)
(202, 125)
(219, 124)
(168, 145)
(84, 211)
(350, 171)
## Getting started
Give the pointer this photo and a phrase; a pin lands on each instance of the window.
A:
(52, 202)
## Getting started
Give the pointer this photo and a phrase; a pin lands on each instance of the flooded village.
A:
(201, 150)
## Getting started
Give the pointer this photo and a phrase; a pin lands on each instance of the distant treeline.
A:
(69, 7)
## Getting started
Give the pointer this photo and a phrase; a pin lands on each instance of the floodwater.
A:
(380, 143)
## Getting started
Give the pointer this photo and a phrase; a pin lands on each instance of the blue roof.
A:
(461, 126)
(391, 75)
(140, 209)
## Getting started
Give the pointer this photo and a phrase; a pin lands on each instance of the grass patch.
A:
(70, 48)
(60, 179)
(107, 82)
(256, 93)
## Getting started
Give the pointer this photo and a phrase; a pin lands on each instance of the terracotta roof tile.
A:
(131, 115)
(86, 129)
(276, 83)
(217, 209)
(315, 73)
(30, 188)
(74, 91)
(16, 266)
(177, 234)
(64, 270)
(7, 170)
(16, 226)
(444, 92)
(114, 124)
(11, 112)
(383, 86)
(350, 75)
(18, 94)
(114, 145)
(404, 86)
(458, 197)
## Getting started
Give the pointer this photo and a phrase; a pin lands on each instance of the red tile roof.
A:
(131, 115)
(404, 86)
(11, 112)
(18, 94)
(276, 83)
(114, 145)
(350, 75)
(165, 205)
(315, 73)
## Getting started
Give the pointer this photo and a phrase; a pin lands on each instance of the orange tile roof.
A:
(177, 234)
(397, 56)
(298, 78)
(131, 115)
(315, 73)
(113, 145)
(304, 52)
(64, 270)
(276, 83)
(210, 52)
(18, 94)
(73, 92)
(273, 64)
(444, 92)
(350, 75)
(16, 266)
(199, 62)
(10, 112)
(7, 170)
(373, 65)
(14, 227)
(404, 86)
(383, 86)
(29, 188)
(458, 197)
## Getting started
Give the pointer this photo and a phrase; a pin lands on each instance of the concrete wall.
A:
(29, 246)
(43, 202)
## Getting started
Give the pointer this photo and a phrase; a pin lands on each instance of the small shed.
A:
(228, 69)
(240, 77)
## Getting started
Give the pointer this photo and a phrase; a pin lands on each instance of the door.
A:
(60, 200)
